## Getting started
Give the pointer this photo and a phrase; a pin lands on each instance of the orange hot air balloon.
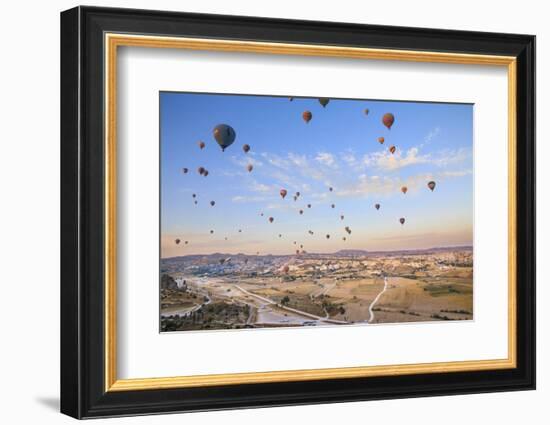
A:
(283, 193)
(246, 148)
(212, 203)
(324, 101)
(201, 145)
(431, 185)
(205, 173)
(201, 170)
(249, 167)
(301, 212)
(377, 206)
(402, 220)
(177, 241)
(307, 116)
(381, 140)
(184, 170)
(392, 149)
(404, 189)
(388, 120)
(271, 219)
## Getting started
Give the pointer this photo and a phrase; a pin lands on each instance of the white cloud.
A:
(327, 159)
(385, 161)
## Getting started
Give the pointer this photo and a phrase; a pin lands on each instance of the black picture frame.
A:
(83, 392)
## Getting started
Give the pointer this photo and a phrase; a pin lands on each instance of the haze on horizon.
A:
(338, 148)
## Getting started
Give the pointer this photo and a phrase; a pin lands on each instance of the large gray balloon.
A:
(224, 135)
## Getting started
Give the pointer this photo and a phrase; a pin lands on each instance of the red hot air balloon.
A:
(177, 241)
(249, 167)
(271, 219)
(377, 206)
(402, 220)
(184, 170)
(307, 116)
(431, 185)
(381, 140)
(283, 193)
(388, 120)
(212, 203)
(246, 148)
(404, 189)
(201, 170)
(392, 149)
(201, 145)
(324, 101)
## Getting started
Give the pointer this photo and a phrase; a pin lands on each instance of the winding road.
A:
(372, 304)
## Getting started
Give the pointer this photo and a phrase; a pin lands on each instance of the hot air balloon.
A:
(240, 231)
(194, 195)
(196, 202)
(184, 170)
(392, 149)
(402, 220)
(295, 198)
(225, 238)
(205, 173)
(330, 189)
(381, 140)
(201, 170)
(301, 246)
(297, 251)
(294, 242)
(307, 116)
(309, 205)
(280, 235)
(343, 238)
(310, 232)
(262, 214)
(186, 242)
(347, 229)
(291, 99)
(301, 212)
(332, 205)
(388, 120)
(324, 101)
(366, 111)
(404, 189)
(341, 217)
(211, 232)
(246, 148)
(377, 206)
(224, 135)
(303, 251)
(201, 145)
(297, 194)
(177, 241)
(328, 236)
(283, 193)
(431, 185)
(212, 203)
(249, 167)
(271, 219)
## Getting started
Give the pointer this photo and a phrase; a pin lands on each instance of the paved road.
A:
(371, 317)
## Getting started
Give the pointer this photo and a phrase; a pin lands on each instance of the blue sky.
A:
(338, 148)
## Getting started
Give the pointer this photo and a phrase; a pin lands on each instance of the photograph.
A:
(292, 211)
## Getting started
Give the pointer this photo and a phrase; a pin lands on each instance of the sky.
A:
(338, 148)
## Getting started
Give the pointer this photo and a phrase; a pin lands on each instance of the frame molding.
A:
(90, 38)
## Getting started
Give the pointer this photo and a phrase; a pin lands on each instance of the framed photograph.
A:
(261, 212)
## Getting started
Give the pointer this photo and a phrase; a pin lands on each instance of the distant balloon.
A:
(297, 251)
(224, 135)
(271, 219)
(262, 214)
(301, 246)
(201, 170)
(381, 140)
(377, 206)
(324, 101)
(294, 242)
(201, 145)
(283, 193)
(225, 238)
(184, 170)
(194, 195)
(392, 149)
(186, 242)
(309, 205)
(341, 217)
(431, 185)
(328, 236)
(196, 202)
(177, 241)
(402, 220)
(343, 238)
(280, 235)
(332, 205)
(240, 231)
(404, 189)
(330, 189)
(307, 116)
(246, 148)
(366, 111)
(347, 229)
(301, 212)
(212, 203)
(211, 232)
(249, 167)
(295, 198)
(205, 173)
(297, 194)
(388, 120)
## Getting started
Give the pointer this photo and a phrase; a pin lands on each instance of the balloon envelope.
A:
(271, 219)
(201, 145)
(404, 189)
(249, 167)
(377, 206)
(380, 140)
(392, 149)
(402, 220)
(307, 116)
(388, 120)
(224, 135)
(283, 193)
(177, 241)
(246, 148)
(431, 185)
(184, 170)
(324, 101)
